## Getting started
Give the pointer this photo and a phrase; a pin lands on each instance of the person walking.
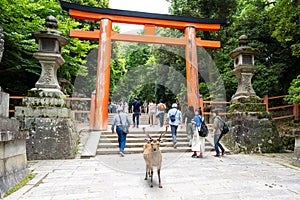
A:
(174, 116)
(188, 116)
(122, 123)
(152, 111)
(125, 107)
(145, 107)
(217, 127)
(161, 107)
(136, 112)
(198, 142)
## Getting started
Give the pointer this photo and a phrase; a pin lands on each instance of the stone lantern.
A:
(251, 127)
(51, 126)
(49, 55)
(1, 43)
(244, 69)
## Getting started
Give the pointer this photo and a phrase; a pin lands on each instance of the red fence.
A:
(293, 107)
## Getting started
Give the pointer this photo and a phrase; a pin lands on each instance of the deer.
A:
(152, 156)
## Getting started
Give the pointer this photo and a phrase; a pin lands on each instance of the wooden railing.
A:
(294, 107)
(204, 103)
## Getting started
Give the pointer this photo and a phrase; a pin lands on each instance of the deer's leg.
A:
(147, 172)
(151, 177)
(146, 175)
(158, 173)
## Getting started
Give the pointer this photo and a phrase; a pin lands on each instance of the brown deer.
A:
(153, 157)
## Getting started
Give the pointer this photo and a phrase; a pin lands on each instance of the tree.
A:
(285, 23)
(294, 91)
(276, 63)
(19, 19)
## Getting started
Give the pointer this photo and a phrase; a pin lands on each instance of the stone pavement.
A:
(235, 176)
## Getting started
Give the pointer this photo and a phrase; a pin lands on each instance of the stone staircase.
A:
(108, 143)
(104, 142)
(144, 119)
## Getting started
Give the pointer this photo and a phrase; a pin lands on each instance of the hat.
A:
(174, 105)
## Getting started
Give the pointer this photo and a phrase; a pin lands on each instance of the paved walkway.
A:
(113, 177)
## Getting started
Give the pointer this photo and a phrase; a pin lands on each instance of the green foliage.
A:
(285, 15)
(294, 91)
(272, 28)
(20, 19)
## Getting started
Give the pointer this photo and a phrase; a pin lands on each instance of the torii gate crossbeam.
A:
(105, 35)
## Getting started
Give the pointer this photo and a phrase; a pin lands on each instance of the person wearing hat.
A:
(174, 116)
(122, 123)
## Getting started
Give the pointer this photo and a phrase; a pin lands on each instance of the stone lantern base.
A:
(252, 129)
(252, 132)
(51, 127)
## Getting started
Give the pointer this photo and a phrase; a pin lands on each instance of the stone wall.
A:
(13, 161)
(252, 132)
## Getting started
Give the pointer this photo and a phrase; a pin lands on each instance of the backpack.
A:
(172, 117)
(161, 106)
(225, 128)
(202, 130)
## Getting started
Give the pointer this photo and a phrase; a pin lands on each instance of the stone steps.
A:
(144, 118)
(108, 143)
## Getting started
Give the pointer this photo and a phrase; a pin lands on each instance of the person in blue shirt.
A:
(174, 124)
(198, 142)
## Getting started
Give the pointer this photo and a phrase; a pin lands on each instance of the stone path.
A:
(113, 177)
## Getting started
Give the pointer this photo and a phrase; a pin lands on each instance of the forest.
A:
(272, 27)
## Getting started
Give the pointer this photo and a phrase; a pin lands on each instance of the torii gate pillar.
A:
(103, 75)
(191, 67)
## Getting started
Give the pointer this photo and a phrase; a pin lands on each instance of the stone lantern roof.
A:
(243, 48)
(51, 32)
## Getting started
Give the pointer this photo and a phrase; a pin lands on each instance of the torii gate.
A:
(105, 35)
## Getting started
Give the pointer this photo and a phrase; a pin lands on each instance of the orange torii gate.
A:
(105, 35)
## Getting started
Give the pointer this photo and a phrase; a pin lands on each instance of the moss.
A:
(288, 142)
(247, 107)
(20, 184)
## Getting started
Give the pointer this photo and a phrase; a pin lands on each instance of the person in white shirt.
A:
(152, 111)
(174, 116)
